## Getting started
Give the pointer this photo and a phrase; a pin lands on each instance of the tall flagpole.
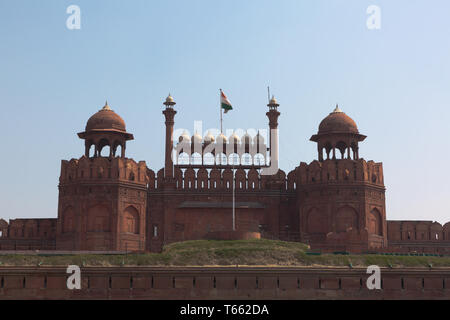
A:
(221, 111)
(234, 200)
(234, 180)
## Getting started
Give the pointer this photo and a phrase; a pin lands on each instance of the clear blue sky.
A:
(394, 82)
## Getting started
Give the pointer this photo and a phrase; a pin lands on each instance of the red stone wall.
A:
(223, 283)
(419, 236)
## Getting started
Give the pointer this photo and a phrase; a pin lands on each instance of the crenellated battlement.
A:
(220, 179)
(102, 169)
(340, 171)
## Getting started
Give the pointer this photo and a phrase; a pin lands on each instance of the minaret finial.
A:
(170, 102)
(273, 103)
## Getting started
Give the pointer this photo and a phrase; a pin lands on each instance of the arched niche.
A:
(99, 219)
(68, 220)
(317, 222)
(346, 218)
(130, 220)
(375, 222)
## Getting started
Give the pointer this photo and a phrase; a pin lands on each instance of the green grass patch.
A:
(228, 253)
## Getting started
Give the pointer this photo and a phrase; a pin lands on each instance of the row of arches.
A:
(99, 220)
(346, 218)
(105, 148)
(221, 148)
(30, 228)
(418, 231)
(338, 150)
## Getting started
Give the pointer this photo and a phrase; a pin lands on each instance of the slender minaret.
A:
(169, 113)
(273, 115)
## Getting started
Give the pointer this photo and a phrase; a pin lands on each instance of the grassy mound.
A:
(227, 253)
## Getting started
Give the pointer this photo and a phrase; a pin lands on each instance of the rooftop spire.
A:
(337, 109)
(106, 107)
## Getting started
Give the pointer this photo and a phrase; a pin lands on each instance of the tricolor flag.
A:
(224, 102)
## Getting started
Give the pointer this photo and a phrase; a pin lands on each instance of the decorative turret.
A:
(105, 128)
(338, 131)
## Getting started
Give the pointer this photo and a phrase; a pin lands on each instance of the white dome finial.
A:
(337, 109)
(106, 107)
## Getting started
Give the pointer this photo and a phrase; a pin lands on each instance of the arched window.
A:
(221, 159)
(104, 148)
(259, 160)
(208, 159)
(246, 159)
(196, 158)
(91, 152)
(183, 158)
(342, 147)
(118, 151)
(233, 159)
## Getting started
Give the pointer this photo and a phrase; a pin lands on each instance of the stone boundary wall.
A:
(201, 283)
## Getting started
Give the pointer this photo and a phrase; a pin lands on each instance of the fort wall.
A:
(223, 283)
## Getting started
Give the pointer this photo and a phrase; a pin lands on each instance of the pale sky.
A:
(393, 81)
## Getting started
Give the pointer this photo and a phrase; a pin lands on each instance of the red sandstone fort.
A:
(113, 203)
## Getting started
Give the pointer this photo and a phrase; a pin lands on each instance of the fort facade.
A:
(108, 202)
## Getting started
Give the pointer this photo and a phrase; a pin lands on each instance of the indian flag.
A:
(224, 102)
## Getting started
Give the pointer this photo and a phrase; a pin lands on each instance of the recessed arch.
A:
(317, 221)
(346, 219)
(130, 220)
(375, 222)
(68, 220)
(99, 219)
